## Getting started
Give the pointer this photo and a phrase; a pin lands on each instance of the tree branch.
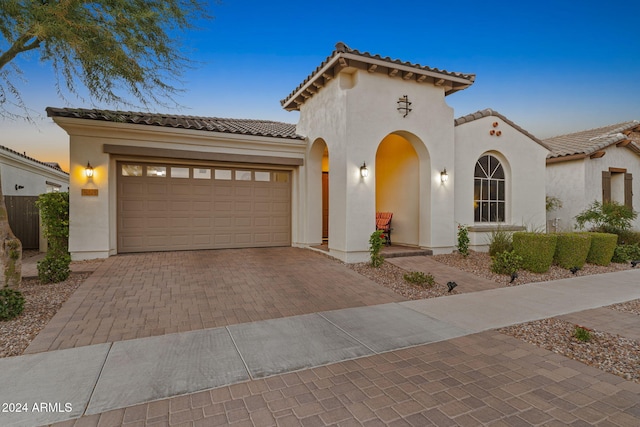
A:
(18, 47)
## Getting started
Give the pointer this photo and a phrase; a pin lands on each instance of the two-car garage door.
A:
(163, 207)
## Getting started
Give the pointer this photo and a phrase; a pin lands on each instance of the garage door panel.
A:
(153, 188)
(202, 222)
(132, 188)
(223, 207)
(243, 206)
(243, 191)
(243, 238)
(261, 207)
(202, 208)
(202, 240)
(263, 237)
(243, 221)
(280, 207)
(262, 192)
(263, 221)
(221, 222)
(132, 205)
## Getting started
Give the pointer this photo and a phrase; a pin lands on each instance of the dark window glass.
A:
(489, 190)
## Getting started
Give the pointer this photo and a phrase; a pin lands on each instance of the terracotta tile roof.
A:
(210, 124)
(589, 141)
(52, 165)
(489, 112)
(458, 81)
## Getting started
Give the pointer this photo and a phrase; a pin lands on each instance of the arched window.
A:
(489, 190)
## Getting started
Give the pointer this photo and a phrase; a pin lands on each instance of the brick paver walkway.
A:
(141, 295)
(482, 379)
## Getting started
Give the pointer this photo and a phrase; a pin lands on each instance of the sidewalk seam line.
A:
(348, 334)
(84, 412)
(239, 353)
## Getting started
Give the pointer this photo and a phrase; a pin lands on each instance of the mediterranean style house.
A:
(374, 134)
(593, 165)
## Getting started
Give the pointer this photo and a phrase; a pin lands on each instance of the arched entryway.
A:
(403, 187)
(319, 184)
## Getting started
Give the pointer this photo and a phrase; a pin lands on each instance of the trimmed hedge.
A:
(602, 247)
(536, 250)
(572, 249)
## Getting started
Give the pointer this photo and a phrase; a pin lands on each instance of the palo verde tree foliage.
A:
(111, 47)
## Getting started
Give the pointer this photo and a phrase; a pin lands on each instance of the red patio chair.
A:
(383, 223)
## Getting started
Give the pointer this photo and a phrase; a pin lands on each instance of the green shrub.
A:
(500, 241)
(11, 303)
(536, 250)
(602, 247)
(54, 212)
(572, 249)
(420, 279)
(628, 237)
(54, 268)
(376, 241)
(626, 253)
(507, 262)
(607, 217)
(581, 333)
(463, 240)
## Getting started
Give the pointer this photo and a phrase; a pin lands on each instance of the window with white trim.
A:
(489, 190)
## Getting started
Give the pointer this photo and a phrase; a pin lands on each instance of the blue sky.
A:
(552, 67)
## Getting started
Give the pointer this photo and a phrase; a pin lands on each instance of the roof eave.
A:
(452, 83)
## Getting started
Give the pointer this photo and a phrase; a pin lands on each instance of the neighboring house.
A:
(597, 164)
(23, 180)
(374, 134)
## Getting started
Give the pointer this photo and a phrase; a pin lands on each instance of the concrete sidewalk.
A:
(104, 377)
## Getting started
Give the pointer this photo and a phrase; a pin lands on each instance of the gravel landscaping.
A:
(41, 304)
(479, 263)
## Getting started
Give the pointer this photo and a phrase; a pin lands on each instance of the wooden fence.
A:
(24, 219)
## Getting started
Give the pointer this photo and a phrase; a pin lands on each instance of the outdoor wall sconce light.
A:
(88, 171)
(444, 176)
(19, 187)
(364, 171)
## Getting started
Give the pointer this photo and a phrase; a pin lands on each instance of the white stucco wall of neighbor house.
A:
(353, 114)
(93, 219)
(523, 160)
(24, 177)
(566, 182)
(615, 157)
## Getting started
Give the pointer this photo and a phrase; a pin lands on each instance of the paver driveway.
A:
(141, 295)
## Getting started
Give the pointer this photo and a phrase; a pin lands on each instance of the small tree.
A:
(54, 212)
(607, 217)
(111, 47)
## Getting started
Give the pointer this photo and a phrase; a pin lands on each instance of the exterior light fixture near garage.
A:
(88, 171)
